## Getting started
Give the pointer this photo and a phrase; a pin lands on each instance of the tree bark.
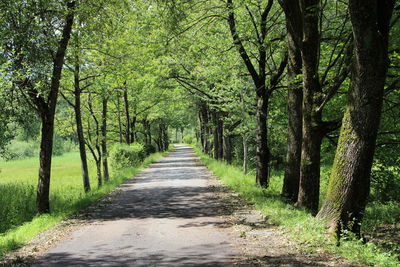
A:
(79, 128)
(349, 185)
(104, 139)
(47, 110)
(294, 28)
(310, 151)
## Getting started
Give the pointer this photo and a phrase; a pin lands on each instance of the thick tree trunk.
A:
(294, 28)
(104, 151)
(79, 129)
(127, 118)
(312, 136)
(46, 150)
(350, 178)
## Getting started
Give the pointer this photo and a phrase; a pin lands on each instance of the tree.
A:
(39, 83)
(350, 179)
(294, 29)
(263, 93)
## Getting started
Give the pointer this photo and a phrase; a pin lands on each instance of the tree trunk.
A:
(46, 150)
(220, 137)
(104, 139)
(47, 108)
(165, 137)
(79, 128)
(127, 118)
(227, 140)
(349, 185)
(294, 28)
(216, 138)
(99, 176)
(119, 118)
(205, 127)
(262, 149)
(312, 136)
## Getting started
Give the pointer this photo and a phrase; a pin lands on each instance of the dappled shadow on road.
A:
(161, 202)
(159, 258)
(162, 258)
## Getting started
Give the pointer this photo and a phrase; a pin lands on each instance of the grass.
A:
(18, 220)
(300, 226)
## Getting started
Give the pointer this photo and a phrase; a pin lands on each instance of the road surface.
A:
(165, 216)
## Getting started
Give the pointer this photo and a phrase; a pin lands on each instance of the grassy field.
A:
(301, 226)
(18, 180)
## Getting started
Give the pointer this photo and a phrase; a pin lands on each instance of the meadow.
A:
(18, 179)
(305, 229)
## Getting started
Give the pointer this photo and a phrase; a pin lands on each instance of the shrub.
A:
(188, 139)
(127, 156)
(62, 145)
(149, 149)
(385, 183)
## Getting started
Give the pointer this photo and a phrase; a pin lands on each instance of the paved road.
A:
(163, 217)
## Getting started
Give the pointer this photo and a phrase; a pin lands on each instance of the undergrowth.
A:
(305, 229)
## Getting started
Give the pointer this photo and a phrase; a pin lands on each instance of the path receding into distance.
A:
(163, 217)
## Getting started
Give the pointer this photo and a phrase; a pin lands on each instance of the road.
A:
(165, 216)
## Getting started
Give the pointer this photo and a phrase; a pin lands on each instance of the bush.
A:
(188, 139)
(385, 183)
(127, 156)
(149, 149)
(62, 145)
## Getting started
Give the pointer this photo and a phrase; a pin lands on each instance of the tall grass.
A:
(297, 223)
(18, 220)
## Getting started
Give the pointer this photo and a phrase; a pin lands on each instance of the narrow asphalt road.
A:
(165, 216)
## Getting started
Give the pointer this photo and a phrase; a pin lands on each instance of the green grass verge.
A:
(298, 224)
(17, 195)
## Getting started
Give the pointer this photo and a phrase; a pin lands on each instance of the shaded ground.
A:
(174, 213)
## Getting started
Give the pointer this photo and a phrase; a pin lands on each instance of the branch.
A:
(238, 43)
